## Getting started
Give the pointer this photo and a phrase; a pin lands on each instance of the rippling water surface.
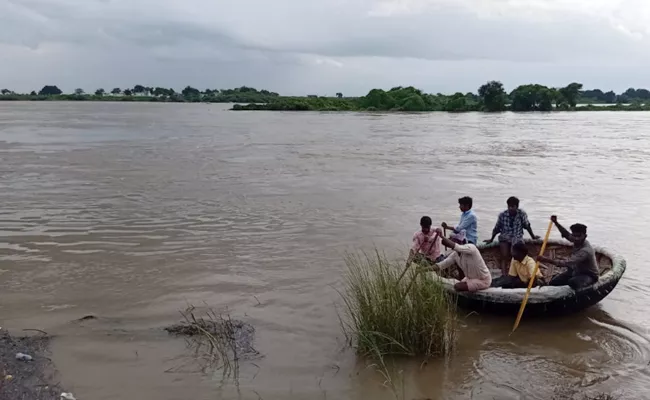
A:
(132, 211)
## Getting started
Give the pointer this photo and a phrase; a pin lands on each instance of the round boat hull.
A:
(545, 300)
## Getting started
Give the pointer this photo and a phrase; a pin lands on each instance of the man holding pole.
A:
(468, 221)
(426, 244)
(582, 265)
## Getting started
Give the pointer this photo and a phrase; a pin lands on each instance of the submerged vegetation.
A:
(218, 342)
(381, 318)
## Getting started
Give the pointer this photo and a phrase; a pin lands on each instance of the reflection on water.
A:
(130, 211)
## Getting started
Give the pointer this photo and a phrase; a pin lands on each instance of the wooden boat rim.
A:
(543, 294)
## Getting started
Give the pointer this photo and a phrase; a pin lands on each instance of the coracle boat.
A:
(544, 300)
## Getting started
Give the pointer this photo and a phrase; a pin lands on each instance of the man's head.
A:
(465, 203)
(513, 205)
(579, 233)
(425, 224)
(519, 251)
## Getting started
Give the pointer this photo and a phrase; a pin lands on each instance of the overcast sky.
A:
(323, 46)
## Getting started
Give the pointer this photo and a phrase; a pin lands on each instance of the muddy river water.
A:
(132, 211)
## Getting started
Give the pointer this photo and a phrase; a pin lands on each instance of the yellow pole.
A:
(532, 277)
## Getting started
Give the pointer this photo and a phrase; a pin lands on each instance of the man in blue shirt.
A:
(468, 221)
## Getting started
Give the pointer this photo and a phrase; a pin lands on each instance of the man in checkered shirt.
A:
(510, 225)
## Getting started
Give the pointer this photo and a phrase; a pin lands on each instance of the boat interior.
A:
(492, 257)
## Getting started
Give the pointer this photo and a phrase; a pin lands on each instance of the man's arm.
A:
(496, 230)
(526, 224)
(447, 262)
(415, 248)
(563, 231)
(571, 262)
(447, 243)
(575, 259)
(465, 223)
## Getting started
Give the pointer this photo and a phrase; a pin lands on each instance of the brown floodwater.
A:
(131, 211)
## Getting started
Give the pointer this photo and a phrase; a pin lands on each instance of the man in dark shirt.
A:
(582, 266)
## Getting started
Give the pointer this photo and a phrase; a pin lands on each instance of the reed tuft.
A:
(382, 318)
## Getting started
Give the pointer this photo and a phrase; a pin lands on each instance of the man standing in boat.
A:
(510, 224)
(468, 258)
(582, 265)
(468, 221)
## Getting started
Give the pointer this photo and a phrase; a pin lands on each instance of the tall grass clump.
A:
(382, 318)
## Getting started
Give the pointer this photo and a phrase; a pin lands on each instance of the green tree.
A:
(610, 97)
(33, 93)
(493, 96)
(339, 95)
(378, 99)
(532, 98)
(413, 103)
(116, 91)
(5, 91)
(128, 92)
(79, 91)
(100, 92)
(456, 103)
(190, 92)
(49, 90)
(571, 93)
(137, 89)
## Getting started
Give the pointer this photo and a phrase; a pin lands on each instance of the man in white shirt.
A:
(468, 258)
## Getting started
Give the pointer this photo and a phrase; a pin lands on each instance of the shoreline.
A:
(298, 104)
(35, 379)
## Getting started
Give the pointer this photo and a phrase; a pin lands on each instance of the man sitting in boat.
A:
(468, 221)
(468, 258)
(425, 248)
(521, 269)
(582, 265)
(510, 224)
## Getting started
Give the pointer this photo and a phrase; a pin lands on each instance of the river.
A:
(131, 211)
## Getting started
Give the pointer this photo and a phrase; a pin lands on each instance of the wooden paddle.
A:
(532, 277)
(409, 261)
(445, 233)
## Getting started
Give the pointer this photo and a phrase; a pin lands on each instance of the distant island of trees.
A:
(490, 97)
(147, 94)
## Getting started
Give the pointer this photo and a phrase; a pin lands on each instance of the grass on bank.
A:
(381, 318)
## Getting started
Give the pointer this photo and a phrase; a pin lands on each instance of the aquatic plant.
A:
(382, 316)
(218, 341)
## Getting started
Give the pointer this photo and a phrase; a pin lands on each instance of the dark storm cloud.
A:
(337, 40)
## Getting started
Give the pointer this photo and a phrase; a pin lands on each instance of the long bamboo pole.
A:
(532, 277)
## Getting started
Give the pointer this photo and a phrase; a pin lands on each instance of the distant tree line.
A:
(242, 94)
(490, 97)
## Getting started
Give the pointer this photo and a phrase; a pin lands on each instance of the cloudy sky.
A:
(323, 46)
